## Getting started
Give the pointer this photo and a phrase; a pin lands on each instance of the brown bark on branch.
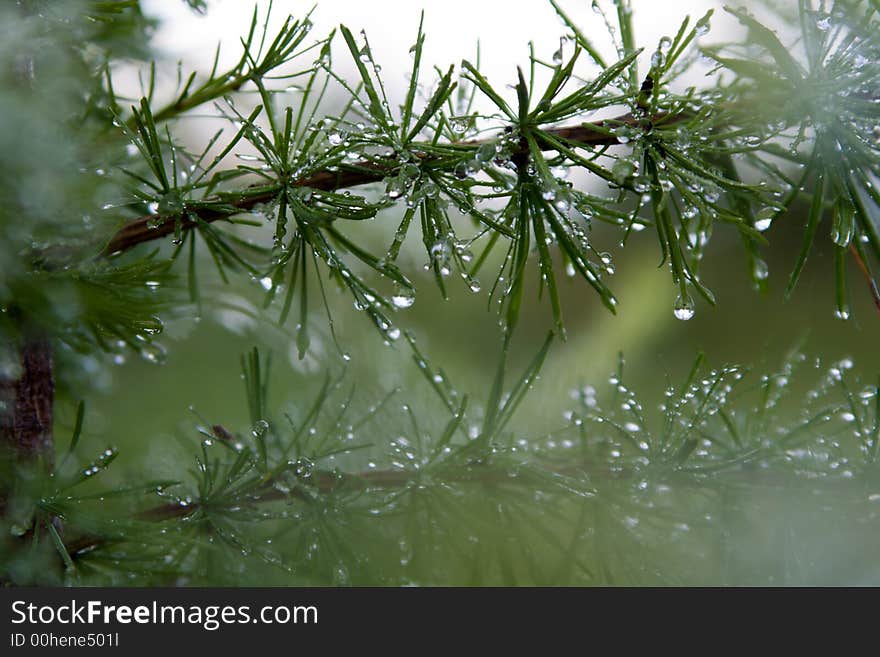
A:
(151, 227)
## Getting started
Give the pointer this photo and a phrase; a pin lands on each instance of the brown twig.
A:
(863, 267)
(151, 227)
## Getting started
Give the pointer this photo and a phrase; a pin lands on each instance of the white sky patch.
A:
(453, 28)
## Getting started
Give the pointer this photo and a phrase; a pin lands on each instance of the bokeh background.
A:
(144, 408)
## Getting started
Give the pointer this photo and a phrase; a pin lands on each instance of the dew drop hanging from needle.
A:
(684, 308)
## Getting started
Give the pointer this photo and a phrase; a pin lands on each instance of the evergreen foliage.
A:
(107, 215)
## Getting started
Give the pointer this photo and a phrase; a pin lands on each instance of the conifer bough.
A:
(145, 229)
(781, 127)
(688, 155)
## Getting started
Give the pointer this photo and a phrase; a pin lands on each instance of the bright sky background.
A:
(453, 27)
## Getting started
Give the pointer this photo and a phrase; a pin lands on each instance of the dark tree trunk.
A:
(26, 402)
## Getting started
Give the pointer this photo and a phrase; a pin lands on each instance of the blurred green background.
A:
(462, 336)
(143, 408)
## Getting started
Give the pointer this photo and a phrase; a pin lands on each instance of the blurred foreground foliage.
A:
(718, 486)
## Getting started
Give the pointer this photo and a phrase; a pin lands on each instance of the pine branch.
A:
(327, 483)
(587, 135)
(150, 227)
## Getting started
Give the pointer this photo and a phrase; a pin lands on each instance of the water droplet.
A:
(153, 353)
(171, 203)
(396, 187)
(459, 124)
(403, 298)
(341, 576)
(439, 251)
(560, 172)
(623, 169)
(658, 59)
(684, 308)
(764, 219)
(17, 530)
(703, 26)
(303, 468)
(760, 270)
(843, 228)
(486, 152)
